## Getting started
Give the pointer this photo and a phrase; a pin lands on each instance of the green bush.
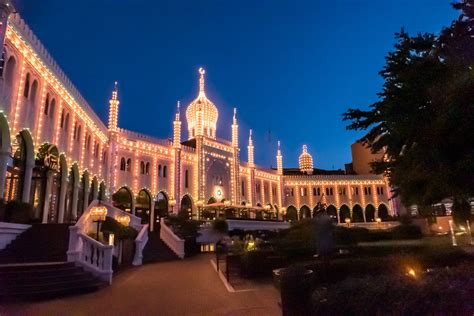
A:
(183, 227)
(111, 226)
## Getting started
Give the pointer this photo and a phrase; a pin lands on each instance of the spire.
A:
(279, 160)
(201, 81)
(235, 130)
(177, 128)
(250, 151)
(113, 109)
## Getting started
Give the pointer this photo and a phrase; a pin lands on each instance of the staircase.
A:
(33, 266)
(156, 250)
(40, 243)
(44, 281)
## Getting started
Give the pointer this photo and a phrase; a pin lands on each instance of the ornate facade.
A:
(56, 154)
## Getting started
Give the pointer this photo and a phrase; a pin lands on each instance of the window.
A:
(317, 191)
(46, 105)
(96, 150)
(10, 70)
(122, 164)
(186, 176)
(61, 123)
(26, 89)
(129, 164)
(159, 171)
(34, 90)
(147, 168)
(142, 167)
(74, 134)
(379, 190)
(329, 191)
(88, 143)
(78, 133)
(52, 107)
(355, 191)
(242, 188)
(292, 192)
(165, 171)
(304, 191)
(367, 191)
(66, 122)
(342, 191)
(104, 157)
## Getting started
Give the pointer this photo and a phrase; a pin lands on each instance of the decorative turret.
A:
(202, 114)
(235, 130)
(250, 151)
(113, 110)
(279, 160)
(306, 161)
(177, 129)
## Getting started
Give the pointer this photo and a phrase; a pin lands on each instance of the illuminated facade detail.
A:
(175, 174)
(306, 161)
(202, 114)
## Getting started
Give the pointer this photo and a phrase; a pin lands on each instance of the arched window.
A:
(52, 108)
(165, 171)
(46, 105)
(96, 150)
(122, 164)
(26, 90)
(147, 168)
(66, 122)
(34, 90)
(104, 157)
(88, 143)
(242, 188)
(74, 133)
(142, 167)
(159, 171)
(186, 179)
(10, 70)
(61, 123)
(78, 133)
(129, 164)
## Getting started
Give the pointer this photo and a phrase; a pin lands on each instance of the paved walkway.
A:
(188, 287)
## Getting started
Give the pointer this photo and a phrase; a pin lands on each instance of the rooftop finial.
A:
(250, 136)
(115, 92)
(279, 145)
(235, 114)
(201, 80)
(177, 106)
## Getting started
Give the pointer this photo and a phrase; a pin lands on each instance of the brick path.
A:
(188, 287)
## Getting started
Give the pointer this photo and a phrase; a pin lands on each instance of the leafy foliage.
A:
(423, 118)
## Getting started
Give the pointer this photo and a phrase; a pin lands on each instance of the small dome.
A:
(202, 114)
(306, 161)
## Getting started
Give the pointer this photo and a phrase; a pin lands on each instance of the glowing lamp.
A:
(411, 273)
(378, 220)
(348, 221)
(124, 220)
(98, 213)
(172, 203)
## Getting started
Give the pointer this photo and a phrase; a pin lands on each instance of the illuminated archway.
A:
(305, 212)
(122, 199)
(357, 214)
(383, 212)
(186, 206)
(331, 210)
(143, 206)
(369, 213)
(291, 213)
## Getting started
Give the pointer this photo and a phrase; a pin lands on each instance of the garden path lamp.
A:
(98, 214)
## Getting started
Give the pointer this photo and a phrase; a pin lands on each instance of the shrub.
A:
(111, 226)
(185, 228)
(406, 232)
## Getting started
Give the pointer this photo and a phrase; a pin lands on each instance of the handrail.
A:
(175, 243)
(140, 243)
(96, 257)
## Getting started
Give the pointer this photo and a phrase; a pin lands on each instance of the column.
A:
(47, 195)
(152, 214)
(75, 193)
(28, 173)
(4, 156)
(62, 198)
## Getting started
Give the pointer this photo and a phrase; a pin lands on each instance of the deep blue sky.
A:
(290, 67)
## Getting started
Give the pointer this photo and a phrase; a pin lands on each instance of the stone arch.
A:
(344, 212)
(10, 70)
(331, 210)
(186, 206)
(143, 205)
(382, 212)
(291, 213)
(357, 213)
(123, 199)
(305, 212)
(369, 213)
(161, 205)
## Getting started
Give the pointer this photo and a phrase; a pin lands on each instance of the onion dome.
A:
(306, 161)
(202, 114)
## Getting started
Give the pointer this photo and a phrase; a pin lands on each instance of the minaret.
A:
(113, 110)
(235, 130)
(177, 129)
(279, 160)
(250, 151)
(6, 8)
(176, 170)
(235, 162)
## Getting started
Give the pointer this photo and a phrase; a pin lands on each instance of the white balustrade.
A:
(175, 243)
(140, 243)
(96, 258)
(9, 232)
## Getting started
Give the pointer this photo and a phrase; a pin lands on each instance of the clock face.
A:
(219, 193)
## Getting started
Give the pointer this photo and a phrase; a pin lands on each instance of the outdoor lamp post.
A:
(123, 219)
(98, 214)
(348, 221)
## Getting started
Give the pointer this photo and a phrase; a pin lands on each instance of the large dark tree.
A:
(423, 119)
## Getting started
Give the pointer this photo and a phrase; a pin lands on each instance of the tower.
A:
(306, 161)
(250, 151)
(251, 165)
(279, 158)
(235, 161)
(113, 110)
(176, 170)
(177, 129)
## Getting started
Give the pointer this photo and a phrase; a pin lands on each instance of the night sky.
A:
(290, 67)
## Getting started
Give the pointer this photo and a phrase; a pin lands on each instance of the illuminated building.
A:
(58, 155)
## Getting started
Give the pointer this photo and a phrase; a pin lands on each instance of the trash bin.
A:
(295, 285)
